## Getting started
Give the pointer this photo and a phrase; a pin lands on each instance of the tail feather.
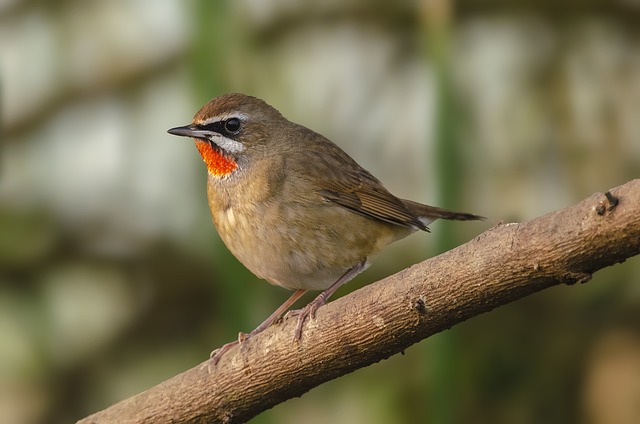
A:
(428, 214)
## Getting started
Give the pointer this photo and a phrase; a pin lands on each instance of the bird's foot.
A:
(302, 314)
(215, 356)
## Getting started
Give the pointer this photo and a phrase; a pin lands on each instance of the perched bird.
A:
(291, 205)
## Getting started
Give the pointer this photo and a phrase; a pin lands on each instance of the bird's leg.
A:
(322, 298)
(216, 354)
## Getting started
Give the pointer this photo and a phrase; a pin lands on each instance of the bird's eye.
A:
(232, 125)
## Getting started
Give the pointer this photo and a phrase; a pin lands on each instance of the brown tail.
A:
(431, 213)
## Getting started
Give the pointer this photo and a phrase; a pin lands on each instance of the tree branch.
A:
(505, 263)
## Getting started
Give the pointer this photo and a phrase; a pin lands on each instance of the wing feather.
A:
(337, 178)
(366, 196)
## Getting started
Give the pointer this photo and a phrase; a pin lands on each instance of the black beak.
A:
(190, 131)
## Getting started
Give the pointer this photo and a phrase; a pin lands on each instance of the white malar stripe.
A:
(227, 144)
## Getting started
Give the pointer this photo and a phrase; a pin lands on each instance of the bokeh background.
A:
(112, 277)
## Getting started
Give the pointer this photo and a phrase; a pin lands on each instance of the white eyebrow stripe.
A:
(224, 117)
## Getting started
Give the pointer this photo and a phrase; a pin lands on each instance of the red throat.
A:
(217, 163)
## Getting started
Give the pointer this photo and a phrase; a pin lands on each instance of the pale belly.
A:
(298, 250)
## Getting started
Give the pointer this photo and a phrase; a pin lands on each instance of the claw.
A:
(302, 314)
(215, 355)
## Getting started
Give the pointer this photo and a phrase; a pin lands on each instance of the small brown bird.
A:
(292, 206)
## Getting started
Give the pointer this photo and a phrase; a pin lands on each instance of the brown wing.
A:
(356, 189)
(336, 177)
(374, 204)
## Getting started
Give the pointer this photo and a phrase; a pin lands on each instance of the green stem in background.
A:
(442, 350)
(209, 59)
(210, 49)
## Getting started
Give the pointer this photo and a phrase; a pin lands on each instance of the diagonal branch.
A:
(505, 263)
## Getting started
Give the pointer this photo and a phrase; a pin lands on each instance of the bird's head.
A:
(231, 128)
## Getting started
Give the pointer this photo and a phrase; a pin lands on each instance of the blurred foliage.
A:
(112, 278)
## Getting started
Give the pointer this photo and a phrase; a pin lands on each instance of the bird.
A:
(292, 206)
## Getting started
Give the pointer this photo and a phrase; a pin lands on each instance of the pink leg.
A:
(216, 354)
(322, 298)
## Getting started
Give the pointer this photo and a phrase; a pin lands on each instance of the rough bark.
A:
(503, 264)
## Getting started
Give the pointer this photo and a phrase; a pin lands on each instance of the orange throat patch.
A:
(217, 163)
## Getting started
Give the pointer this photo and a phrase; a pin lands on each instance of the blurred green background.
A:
(112, 277)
